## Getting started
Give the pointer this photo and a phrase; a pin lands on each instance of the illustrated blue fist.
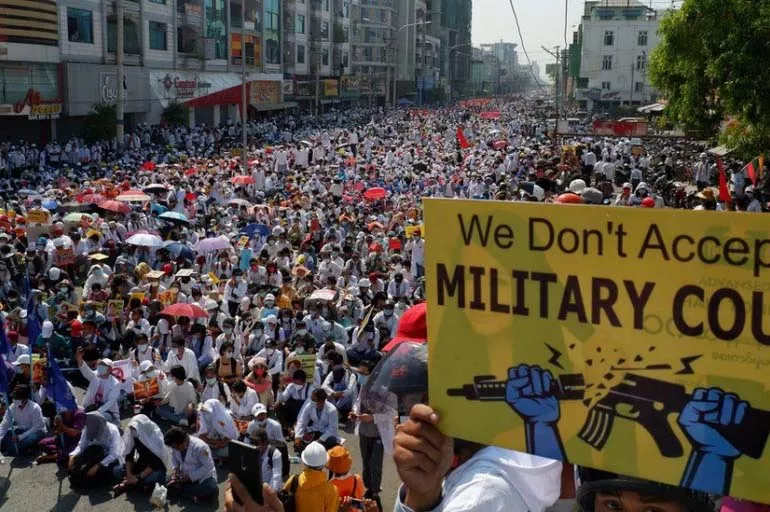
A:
(706, 410)
(528, 392)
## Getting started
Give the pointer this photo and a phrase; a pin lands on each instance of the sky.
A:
(541, 21)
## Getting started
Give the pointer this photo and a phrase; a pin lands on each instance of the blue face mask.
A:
(362, 379)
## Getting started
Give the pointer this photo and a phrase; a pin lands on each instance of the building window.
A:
(639, 86)
(641, 40)
(162, 2)
(607, 62)
(324, 31)
(157, 36)
(80, 25)
(300, 54)
(609, 38)
(325, 57)
(346, 34)
(131, 44)
(606, 86)
(641, 62)
(299, 24)
(326, 5)
(344, 59)
(272, 32)
(345, 9)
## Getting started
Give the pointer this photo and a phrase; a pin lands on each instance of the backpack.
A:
(285, 463)
(232, 366)
(289, 498)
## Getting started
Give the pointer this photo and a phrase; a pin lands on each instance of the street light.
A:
(395, 54)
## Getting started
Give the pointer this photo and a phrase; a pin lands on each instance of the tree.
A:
(100, 123)
(709, 64)
(175, 114)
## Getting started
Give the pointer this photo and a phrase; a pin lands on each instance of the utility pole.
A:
(244, 102)
(119, 107)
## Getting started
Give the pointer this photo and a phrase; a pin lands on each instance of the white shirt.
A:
(29, 418)
(108, 388)
(242, 408)
(179, 397)
(398, 290)
(114, 452)
(18, 350)
(188, 361)
(273, 468)
(325, 422)
(274, 362)
(197, 463)
(295, 392)
(272, 427)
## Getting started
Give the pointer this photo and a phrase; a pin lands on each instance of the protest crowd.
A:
(161, 299)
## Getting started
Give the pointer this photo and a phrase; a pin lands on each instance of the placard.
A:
(123, 371)
(114, 309)
(633, 342)
(146, 389)
(64, 256)
(38, 216)
(168, 297)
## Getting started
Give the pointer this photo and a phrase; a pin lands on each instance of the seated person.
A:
(272, 464)
(319, 421)
(99, 452)
(193, 474)
(242, 401)
(179, 403)
(215, 426)
(293, 398)
(67, 428)
(213, 387)
(147, 458)
(23, 425)
(261, 421)
(340, 462)
(340, 385)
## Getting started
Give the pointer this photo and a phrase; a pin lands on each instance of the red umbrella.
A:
(115, 206)
(148, 166)
(184, 309)
(375, 193)
(91, 198)
(500, 144)
(190, 171)
(242, 180)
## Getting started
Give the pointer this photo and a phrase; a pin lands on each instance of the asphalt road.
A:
(24, 486)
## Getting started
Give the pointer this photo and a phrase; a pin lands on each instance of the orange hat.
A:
(340, 461)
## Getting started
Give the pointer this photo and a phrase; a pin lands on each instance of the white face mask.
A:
(261, 423)
(258, 332)
(18, 403)
(300, 350)
(228, 354)
(228, 330)
(270, 351)
(211, 382)
(142, 348)
(101, 370)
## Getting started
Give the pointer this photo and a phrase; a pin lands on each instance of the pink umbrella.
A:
(115, 206)
(212, 244)
(500, 144)
(184, 309)
(91, 198)
(375, 193)
(242, 180)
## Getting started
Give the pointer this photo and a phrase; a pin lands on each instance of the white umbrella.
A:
(145, 240)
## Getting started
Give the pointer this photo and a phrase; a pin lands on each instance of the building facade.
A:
(614, 41)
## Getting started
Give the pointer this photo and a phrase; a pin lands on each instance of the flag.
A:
(754, 169)
(724, 192)
(461, 139)
(58, 390)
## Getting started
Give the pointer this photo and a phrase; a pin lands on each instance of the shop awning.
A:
(275, 106)
(653, 108)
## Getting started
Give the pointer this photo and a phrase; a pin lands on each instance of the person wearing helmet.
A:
(312, 490)
(601, 491)
(438, 472)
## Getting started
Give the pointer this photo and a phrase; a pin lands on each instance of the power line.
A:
(521, 38)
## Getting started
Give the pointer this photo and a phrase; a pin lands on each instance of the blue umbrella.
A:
(179, 250)
(158, 208)
(50, 204)
(175, 217)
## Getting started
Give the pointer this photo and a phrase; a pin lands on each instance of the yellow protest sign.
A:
(213, 277)
(409, 230)
(631, 340)
(38, 216)
(168, 297)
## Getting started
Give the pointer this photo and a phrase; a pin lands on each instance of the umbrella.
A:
(179, 250)
(145, 240)
(50, 204)
(91, 198)
(155, 188)
(242, 180)
(76, 217)
(114, 206)
(158, 208)
(212, 244)
(500, 144)
(132, 196)
(240, 202)
(184, 309)
(174, 217)
(375, 193)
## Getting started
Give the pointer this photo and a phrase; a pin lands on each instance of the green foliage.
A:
(709, 63)
(175, 114)
(100, 123)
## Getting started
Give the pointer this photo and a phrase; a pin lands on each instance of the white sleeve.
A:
(114, 451)
(276, 479)
(331, 427)
(302, 421)
(6, 423)
(87, 372)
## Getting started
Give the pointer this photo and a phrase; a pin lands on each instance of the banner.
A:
(265, 92)
(331, 87)
(490, 114)
(634, 343)
(620, 128)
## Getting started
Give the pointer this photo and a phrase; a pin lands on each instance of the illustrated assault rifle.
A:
(642, 399)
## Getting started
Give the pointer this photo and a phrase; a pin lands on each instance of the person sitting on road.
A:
(319, 421)
(95, 459)
(193, 473)
(23, 425)
(147, 458)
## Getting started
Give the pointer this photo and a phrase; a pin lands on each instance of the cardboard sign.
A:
(146, 389)
(409, 230)
(213, 277)
(308, 363)
(635, 343)
(243, 242)
(123, 371)
(241, 425)
(38, 216)
(115, 308)
(64, 256)
(38, 366)
(168, 297)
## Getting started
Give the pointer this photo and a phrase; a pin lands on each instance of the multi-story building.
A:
(615, 39)
(30, 83)
(374, 32)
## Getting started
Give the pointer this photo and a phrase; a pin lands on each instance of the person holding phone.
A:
(193, 472)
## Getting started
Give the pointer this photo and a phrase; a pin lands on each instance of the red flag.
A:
(752, 172)
(461, 139)
(724, 192)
